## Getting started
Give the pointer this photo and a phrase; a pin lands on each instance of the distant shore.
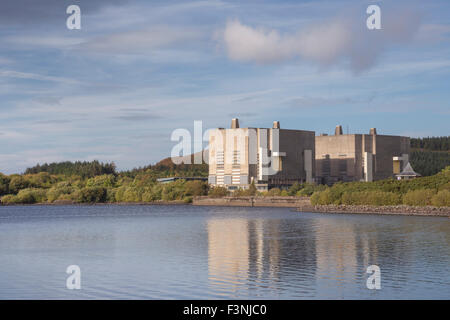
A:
(73, 203)
(300, 204)
(303, 204)
(385, 210)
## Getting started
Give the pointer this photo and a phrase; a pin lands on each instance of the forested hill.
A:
(84, 169)
(431, 143)
(430, 155)
(166, 168)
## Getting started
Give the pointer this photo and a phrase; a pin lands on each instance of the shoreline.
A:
(72, 203)
(302, 204)
(427, 211)
(299, 204)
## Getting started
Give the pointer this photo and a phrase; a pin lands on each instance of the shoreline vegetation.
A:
(100, 183)
(426, 196)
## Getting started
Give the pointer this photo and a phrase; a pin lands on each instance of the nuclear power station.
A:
(276, 157)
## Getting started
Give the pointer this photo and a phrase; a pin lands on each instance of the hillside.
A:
(430, 155)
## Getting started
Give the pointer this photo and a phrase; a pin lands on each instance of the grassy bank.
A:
(426, 191)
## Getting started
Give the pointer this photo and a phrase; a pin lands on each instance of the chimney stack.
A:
(373, 131)
(276, 125)
(234, 123)
(338, 131)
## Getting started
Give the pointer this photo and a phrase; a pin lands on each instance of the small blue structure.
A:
(172, 179)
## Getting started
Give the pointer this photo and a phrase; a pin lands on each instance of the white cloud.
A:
(340, 40)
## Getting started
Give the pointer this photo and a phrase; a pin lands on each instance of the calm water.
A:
(186, 252)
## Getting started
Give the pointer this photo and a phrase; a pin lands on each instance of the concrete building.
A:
(359, 157)
(269, 157)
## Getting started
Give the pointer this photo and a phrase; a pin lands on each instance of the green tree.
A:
(4, 184)
(18, 183)
(92, 194)
(441, 199)
(218, 192)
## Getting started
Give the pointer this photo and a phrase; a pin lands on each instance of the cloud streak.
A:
(142, 41)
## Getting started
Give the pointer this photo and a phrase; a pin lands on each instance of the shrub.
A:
(10, 199)
(324, 197)
(26, 196)
(156, 192)
(296, 187)
(273, 192)
(92, 194)
(218, 192)
(17, 183)
(4, 184)
(250, 192)
(418, 197)
(41, 180)
(195, 188)
(309, 189)
(315, 198)
(132, 194)
(111, 195)
(60, 191)
(374, 198)
(119, 194)
(173, 191)
(105, 180)
(441, 199)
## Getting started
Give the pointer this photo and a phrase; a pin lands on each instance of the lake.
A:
(189, 252)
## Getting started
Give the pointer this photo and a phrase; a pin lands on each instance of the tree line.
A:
(431, 143)
(85, 169)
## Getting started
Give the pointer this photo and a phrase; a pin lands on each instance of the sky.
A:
(137, 70)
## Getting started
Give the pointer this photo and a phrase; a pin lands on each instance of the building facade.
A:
(359, 157)
(267, 157)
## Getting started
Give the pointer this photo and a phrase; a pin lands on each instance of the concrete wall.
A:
(288, 158)
(387, 148)
(338, 158)
(287, 202)
(346, 156)
(294, 143)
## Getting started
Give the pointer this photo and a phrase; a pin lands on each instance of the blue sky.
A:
(137, 70)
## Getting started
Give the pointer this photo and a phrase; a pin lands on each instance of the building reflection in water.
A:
(237, 257)
(228, 250)
(343, 250)
(266, 256)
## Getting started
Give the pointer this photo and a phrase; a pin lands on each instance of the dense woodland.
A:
(431, 143)
(430, 155)
(84, 169)
(97, 182)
